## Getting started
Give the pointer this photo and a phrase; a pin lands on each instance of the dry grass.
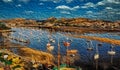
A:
(106, 40)
(35, 55)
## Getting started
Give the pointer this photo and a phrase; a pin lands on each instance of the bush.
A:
(3, 26)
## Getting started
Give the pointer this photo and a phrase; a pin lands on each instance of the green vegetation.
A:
(10, 60)
(3, 26)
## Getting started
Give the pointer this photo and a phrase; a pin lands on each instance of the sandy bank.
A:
(106, 40)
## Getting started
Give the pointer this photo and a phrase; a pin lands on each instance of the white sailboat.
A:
(111, 53)
(96, 57)
(90, 46)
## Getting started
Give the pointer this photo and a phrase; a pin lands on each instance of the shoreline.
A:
(29, 53)
(74, 29)
(100, 39)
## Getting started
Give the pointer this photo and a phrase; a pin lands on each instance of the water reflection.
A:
(39, 38)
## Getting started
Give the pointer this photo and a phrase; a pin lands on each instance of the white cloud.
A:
(76, 7)
(111, 14)
(25, 1)
(84, 7)
(19, 5)
(118, 13)
(64, 7)
(41, 3)
(7, 1)
(69, 1)
(104, 2)
(57, 1)
(28, 12)
(112, 1)
(89, 12)
(100, 3)
(108, 8)
(65, 12)
(54, 1)
(88, 5)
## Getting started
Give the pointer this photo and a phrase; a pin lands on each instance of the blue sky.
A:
(42, 9)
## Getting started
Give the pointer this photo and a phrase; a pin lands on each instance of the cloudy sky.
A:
(42, 9)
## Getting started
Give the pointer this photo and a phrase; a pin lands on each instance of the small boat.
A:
(111, 52)
(66, 44)
(49, 47)
(96, 56)
(72, 51)
(52, 40)
(90, 49)
(90, 46)
(48, 44)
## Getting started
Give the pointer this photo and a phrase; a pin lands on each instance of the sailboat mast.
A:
(67, 61)
(58, 55)
(97, 57)
(97, 49)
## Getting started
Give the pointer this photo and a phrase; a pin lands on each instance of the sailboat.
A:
(65, 66)
(50, 48)
(90, 47)
(111, 53)
(96, 57)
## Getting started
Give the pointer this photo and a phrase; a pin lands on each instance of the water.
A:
(39, 38)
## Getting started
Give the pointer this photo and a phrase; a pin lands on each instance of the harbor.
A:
(79, 51)
(59, 34)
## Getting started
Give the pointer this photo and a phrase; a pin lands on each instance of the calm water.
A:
(39, 38)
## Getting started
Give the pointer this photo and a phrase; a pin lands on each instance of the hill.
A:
(71, 22)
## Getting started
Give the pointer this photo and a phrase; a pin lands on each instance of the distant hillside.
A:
(74, 22)
(18, 22)
(83, 22)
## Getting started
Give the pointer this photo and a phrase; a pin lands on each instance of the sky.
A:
(42, 9)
